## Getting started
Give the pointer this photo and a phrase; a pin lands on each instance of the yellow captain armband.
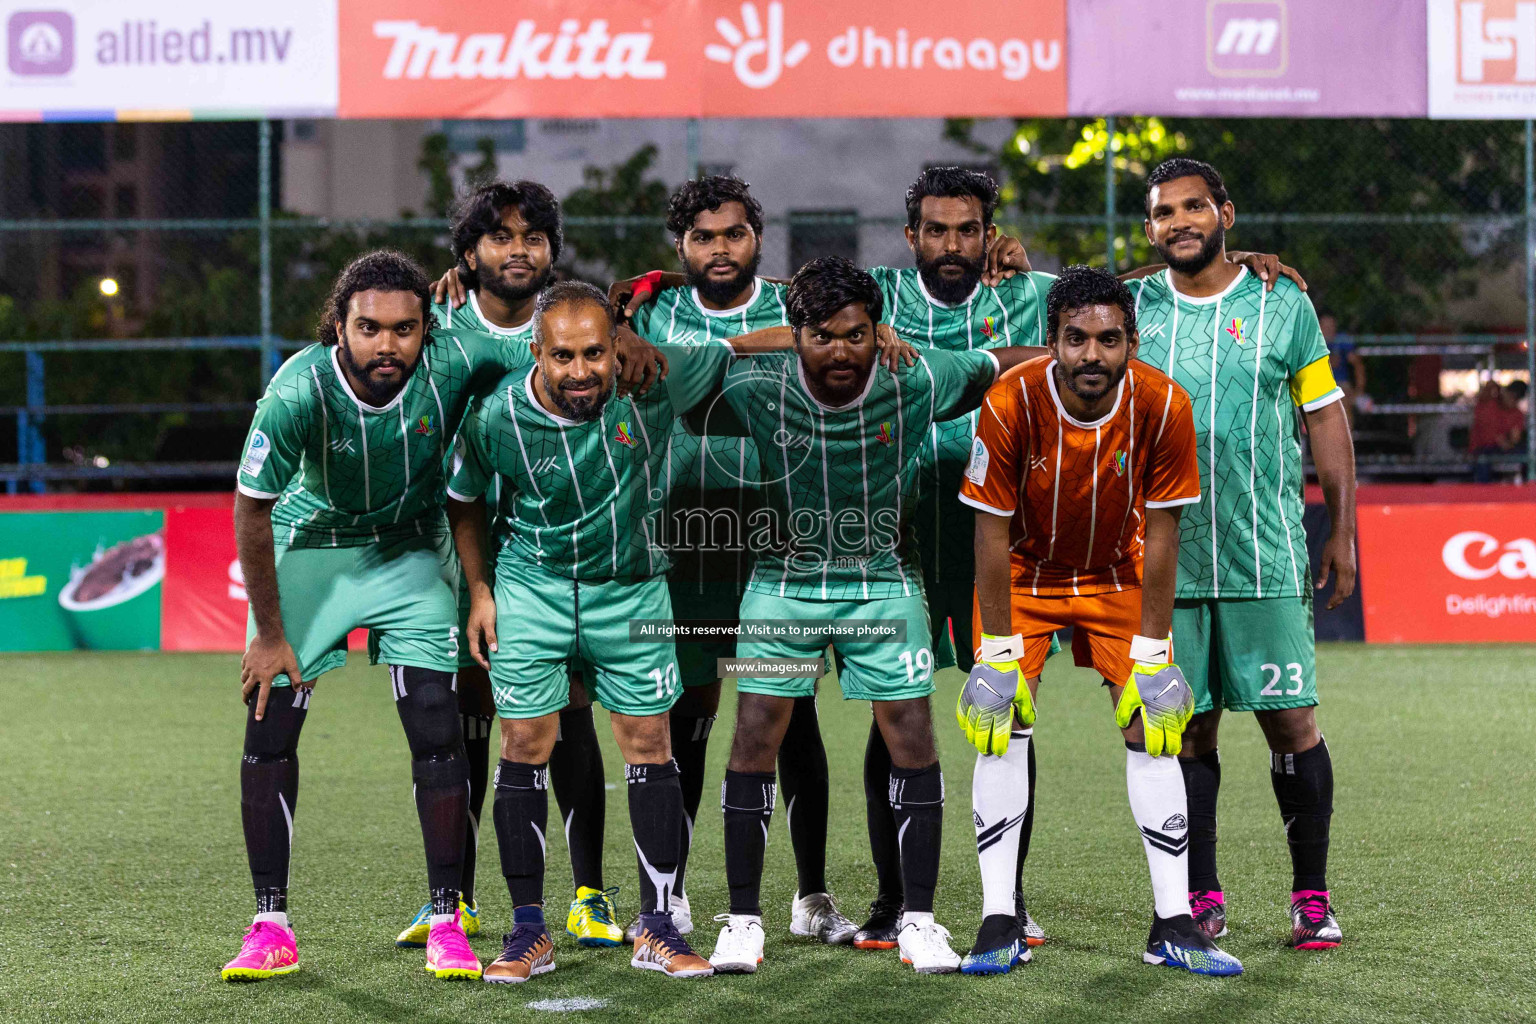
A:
(1313, 386)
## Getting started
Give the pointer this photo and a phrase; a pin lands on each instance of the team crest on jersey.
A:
(976, 469)
(623, 436)
(989, 327)
(1236, 329)
(424, 427)
(1119, 463)
(256, 453)
(884, 437)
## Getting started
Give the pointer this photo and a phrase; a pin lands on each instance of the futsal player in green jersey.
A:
(506, 237)
(580, 569)
(717, 227)
(1256, 367)
(339, 525)
(840, 445)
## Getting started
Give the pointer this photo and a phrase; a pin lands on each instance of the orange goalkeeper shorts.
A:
(1102, 627)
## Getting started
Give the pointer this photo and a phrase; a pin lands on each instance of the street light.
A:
(108, 286)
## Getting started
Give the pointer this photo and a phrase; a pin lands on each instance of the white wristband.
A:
(1002, 648)
(1147, 651)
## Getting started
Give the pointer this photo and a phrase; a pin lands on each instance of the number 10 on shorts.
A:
(665, 680)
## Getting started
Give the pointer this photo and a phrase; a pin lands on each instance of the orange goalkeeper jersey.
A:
(1075, 491)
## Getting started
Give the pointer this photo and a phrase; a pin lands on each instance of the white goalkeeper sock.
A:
(999, 800)
(1156, 789)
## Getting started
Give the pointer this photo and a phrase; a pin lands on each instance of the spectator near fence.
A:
(1498, 427)
(1346, 362)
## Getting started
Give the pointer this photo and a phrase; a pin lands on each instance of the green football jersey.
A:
(1247, 358)
(583, 498)
(514, 342)
(1013, 313)
(347, 473)
(711, 482)
(839, 483)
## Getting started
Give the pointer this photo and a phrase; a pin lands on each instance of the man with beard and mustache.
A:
(717, 226)
(840, 442)
(1256, 366)
(579, 470)
(507, 237)
(1081, 465)
(339, 525)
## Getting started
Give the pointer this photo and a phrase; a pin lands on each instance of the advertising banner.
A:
(1462, 573)
(1247, 58)
(716, 58)
(205, 605)
(88, 580)
(1482, 58)
(101, 60)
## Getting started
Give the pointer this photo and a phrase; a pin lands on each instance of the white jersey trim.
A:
(1205, 300)
(1007, 513)
(490, 328)
(1336, 395)
(533, 400)
(923, 289)
(251, 492)
(466, 499)
(1050, 379)
(347, 387)
(869, 385)
(1174, 502)
(757, 289)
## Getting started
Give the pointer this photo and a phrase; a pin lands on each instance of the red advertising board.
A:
(1462, 573)
(204, 606)
(716, 58)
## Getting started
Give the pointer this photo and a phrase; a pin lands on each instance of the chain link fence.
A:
(149, 281)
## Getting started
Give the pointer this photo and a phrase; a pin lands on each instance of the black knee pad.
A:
(429, 711)
(276, 736)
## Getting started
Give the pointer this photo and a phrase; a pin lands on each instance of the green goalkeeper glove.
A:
(994, 693)
(1159, 690)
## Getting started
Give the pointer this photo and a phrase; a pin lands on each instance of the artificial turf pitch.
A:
(124, 884)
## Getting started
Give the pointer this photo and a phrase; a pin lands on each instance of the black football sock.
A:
(576, 773)
(429, 712)
(1304, 788)
(1202, 782)
(877, 812)
(917, 801)
(521, 816)
(747, 800)
(690, 744)
(656, 817)
(269, 793)
(477, 749)
(803, 778)
(1027, 826)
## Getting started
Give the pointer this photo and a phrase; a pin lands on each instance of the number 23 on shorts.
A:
(1272, 677)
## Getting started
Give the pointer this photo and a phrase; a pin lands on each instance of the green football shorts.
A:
(544, 621)
(1244, 654)
(869, 669)
(697, 659)
(402, 593)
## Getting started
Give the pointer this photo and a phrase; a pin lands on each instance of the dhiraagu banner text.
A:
(88, 580)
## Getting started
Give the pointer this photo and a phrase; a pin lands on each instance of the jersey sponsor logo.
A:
(342, 446)
(976, 469)
(546, 465)
(1119, 462)
(1516, 561)
(989, 327)
(623, 435)
(1038, 462)
(422, 51)
(884, 437)
(1235, 328)
(424, 427)
(256, 453)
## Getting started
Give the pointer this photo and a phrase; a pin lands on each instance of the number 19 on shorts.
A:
(920, 666)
